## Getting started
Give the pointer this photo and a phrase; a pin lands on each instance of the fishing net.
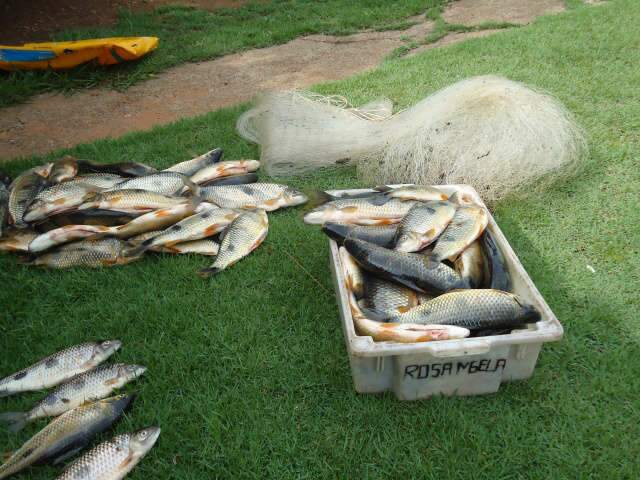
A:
(495, 134)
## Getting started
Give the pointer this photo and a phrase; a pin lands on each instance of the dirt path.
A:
(53, 121)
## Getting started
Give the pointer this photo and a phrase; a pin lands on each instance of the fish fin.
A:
(67, 455)
(215, 155)
(383, 188)
(317, 198)
(209, 272)
(24, 259)
(454, 198)
(373, 314)
(137, 250)
(193, 190)
(15, 420)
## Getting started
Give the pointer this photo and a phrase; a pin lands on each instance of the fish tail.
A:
(193, 190)
(373, 314)
(136, 251)
(317, 198)
(15, 420)
(209, 272)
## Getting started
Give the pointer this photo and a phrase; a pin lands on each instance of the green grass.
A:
(248, 375)
(189, 35)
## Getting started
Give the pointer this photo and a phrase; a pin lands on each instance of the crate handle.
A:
(460, 348)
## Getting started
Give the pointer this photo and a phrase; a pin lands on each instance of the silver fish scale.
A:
(90, 253)
(66, 190)
(423, 217)
(241, 237)
(459, 233)
(22, 191)
(196, 226)
(189, 167)
(237, 196)
(469, 308)
(100, 180)
(167, 183)
(389, 207)
(102, 462)
(135, 199)
(91, 385)
(54, 369)
(387, 297)
(73, 422)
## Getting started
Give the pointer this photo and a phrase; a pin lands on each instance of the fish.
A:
(471, 265)
(124, 169)
(5, 178)
(424, 222)
(134, 200)
(241, 237)
(382, 235)
(165, 183)
(86, 253)
(498, 276)
(224, 169)
(353, 274)
(157, 219)
(378, 210)
(418, 272)
(90, 216)
(66, 435)
(23, 190)
(59, 367)
(206, 223)
(467, 225)
(113, 459)
(86, 387)
(232, 180)
(265, 196)
(4, 207)
(401, 332)
(204, 246)
(58, 198)
(103, 181)
(422, 193)
(17, 240)
(65, 234)
(64, 169)
(190, 167)
(387, 298)
(472, 309)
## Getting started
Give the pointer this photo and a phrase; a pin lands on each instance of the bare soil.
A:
(475, 12)
(53, 121)
(23, 21)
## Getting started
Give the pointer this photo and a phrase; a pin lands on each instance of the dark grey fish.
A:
(4, 207)
(232, 180)
(125, 169)
(499, 278)
(67, 435)
(382, 235)
(415, 271)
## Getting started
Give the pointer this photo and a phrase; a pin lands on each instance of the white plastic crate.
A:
(470, 366)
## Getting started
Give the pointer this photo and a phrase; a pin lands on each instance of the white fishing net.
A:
(495, 134)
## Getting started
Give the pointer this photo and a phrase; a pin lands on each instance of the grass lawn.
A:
(248, 375)
(189, 34)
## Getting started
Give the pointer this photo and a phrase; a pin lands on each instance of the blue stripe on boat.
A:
(13, 55)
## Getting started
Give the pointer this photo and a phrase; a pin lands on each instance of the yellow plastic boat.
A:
(63, 55)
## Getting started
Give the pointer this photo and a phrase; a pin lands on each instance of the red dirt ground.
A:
(23, 21)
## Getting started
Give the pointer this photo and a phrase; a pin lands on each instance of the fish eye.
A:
(142, 435)
(106, 343)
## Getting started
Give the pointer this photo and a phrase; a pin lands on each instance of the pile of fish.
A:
(81, 409)
(420, 265)
(80, 213)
